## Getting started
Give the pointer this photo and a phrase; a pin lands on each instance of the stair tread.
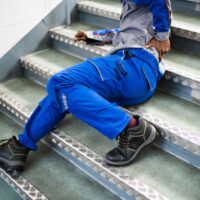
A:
(180, 20)
(55, 60)
(172, 109)
(186, 22)
(42, 171)
(175, 60)
(29, 96)
(71, 30)
(157, 176)
(183, 62)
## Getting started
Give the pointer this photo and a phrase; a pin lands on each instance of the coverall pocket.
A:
(150, 76)
(97, 63)
(106, 67)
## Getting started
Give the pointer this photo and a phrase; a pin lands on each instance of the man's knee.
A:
(60, 80)
(53, 80)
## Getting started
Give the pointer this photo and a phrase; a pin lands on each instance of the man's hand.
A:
(80, 36)
(162, 47)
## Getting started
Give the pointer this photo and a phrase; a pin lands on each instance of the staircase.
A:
(70, 161)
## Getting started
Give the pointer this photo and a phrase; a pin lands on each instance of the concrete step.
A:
(169, 179)
(54, 176)
(185, 28)
(181, 79)
(162, 109)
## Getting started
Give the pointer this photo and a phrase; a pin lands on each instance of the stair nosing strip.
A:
(132, 184)
(104, 12)
(22, 187)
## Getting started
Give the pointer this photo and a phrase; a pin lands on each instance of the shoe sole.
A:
(151, 139)
(12, 172)
(14, 168)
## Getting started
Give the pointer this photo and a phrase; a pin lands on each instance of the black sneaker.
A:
(131, 142)
(12, 156)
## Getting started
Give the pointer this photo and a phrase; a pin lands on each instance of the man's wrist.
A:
(91, 35)
(162, 36)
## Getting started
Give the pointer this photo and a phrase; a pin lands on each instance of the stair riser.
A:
(76, 51)
(180, 91)
(191, 8)
(102, 21)
(118, 183)
(185, 44)
(172, 144)
(176, 81)
(178, 152)
(35, 77)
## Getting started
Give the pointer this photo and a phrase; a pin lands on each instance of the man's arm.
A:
(161, 10)
(97, 37)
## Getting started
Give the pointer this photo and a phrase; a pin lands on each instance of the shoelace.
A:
(123, 140)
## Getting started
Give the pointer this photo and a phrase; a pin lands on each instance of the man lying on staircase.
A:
(93, 90)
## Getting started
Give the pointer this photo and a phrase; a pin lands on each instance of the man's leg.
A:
(86, 91)
(77, 90)
(46, 115)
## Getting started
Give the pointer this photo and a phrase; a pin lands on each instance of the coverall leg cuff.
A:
(122, 127)
(25, 140)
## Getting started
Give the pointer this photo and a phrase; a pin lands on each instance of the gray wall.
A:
(37, 39)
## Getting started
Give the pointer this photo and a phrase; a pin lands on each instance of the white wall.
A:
(18, 17)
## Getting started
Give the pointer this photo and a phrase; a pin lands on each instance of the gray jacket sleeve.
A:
(161, 10)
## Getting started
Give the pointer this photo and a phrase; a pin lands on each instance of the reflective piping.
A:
(124, 55)
(96, 68)
(151, 89)
(64, 98)
(98, 37)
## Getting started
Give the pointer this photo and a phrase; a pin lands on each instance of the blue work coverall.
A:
(93, 90)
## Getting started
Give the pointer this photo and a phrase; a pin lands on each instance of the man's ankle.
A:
(132, 123)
